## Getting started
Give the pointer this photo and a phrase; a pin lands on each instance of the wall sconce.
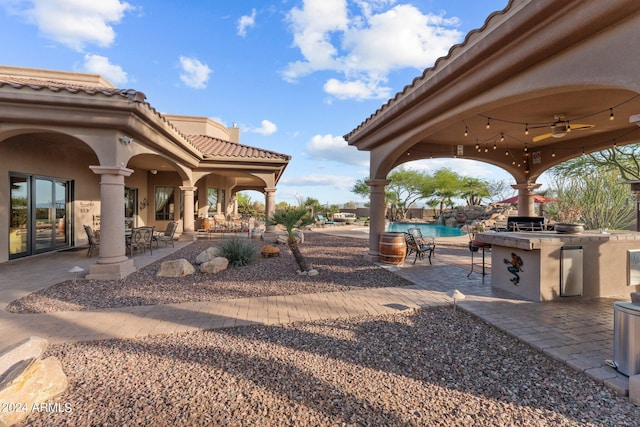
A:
(143, 204)
(126, 139)
(153, 171)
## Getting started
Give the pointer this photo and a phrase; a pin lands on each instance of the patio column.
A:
(188, 224)
(270, 209)
(525, 198)
(112, 263)
(376, 217)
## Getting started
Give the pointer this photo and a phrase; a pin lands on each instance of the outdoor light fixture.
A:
(75, 270)
(611, 116)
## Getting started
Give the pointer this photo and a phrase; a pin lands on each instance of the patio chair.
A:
(141, 238)
(421, 240)
(93, 241)
(420, 250)
(166, 237)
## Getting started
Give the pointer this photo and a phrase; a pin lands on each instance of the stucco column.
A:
(525, 198)
(269, 207)
(376, 216)
(112, 263)
(188, 223)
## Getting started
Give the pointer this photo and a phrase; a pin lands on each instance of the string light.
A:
(506, 152)
(477, 146)
(501, 136)
(526, 128)
(486, 150)
(494, 146)
(553, 153)
(488, 122)
(466, 130)
(611, 116)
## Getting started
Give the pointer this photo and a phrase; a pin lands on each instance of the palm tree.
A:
(293, 218)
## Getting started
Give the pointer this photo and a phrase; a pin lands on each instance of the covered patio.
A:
(77, 151)
(540, 83)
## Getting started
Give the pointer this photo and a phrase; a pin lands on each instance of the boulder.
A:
(30, 383)
(176, 268)
(30, 348)
(268, 251)
(215, 265)
(27, 381)
(284, 238)
(208, 254)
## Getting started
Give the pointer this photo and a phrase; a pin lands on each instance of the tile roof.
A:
(19, 82)
(208, 146)
(214, 147)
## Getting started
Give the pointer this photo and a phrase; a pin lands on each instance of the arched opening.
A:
(52, 192)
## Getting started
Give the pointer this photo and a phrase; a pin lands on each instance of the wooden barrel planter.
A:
(392, 248)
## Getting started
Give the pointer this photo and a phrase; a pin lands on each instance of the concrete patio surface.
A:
(577, 332)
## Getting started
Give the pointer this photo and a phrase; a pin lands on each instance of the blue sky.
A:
(293, 75)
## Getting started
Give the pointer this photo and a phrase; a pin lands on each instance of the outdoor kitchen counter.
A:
(546, 266)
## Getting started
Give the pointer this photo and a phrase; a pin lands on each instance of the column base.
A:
(372, 256)
(114, 271)
(188, 236)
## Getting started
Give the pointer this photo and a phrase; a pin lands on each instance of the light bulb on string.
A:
(501, 136)
(553, 153)
(466, 130)
(488, 122)
(494, 146)
(611, 116)
(526, 128)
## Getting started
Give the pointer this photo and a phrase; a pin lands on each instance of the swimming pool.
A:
(431, 230)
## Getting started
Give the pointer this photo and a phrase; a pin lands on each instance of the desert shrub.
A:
(239, 252)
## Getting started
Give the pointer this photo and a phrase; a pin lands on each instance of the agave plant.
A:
(291, 219)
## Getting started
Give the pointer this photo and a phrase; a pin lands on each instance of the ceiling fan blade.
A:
(541, 137)
(581, 126)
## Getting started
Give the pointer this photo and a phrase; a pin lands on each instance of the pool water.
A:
(430, 230)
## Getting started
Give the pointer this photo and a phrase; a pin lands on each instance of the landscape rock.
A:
(208, 254)
(30, 348)
(28, 384)
(176, 268)
(268, 251)
(215, 265)
(284, 238)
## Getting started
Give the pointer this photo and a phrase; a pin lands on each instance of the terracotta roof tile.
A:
(214, 147)
(18, 82)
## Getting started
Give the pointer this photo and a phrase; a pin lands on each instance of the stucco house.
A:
(75, 150)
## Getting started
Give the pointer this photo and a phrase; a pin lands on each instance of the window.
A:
(164, 203)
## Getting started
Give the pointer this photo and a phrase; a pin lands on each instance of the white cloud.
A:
(363, 48)
(101, 65)
(266, 128)
(246, 21)
(194, 73)
(335, 148)
(74, 23)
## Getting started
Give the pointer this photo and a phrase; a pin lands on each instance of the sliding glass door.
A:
(40, 214)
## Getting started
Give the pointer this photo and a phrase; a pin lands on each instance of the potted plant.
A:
(570, 220)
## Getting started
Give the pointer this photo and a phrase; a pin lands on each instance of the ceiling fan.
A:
(560, 128)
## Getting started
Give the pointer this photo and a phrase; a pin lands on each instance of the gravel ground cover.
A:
(339, 260)
(428, 367)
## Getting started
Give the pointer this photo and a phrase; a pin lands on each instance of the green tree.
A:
(404, 190)
(292, 219)
(473, 190)
(623, 159)
(446, 186)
